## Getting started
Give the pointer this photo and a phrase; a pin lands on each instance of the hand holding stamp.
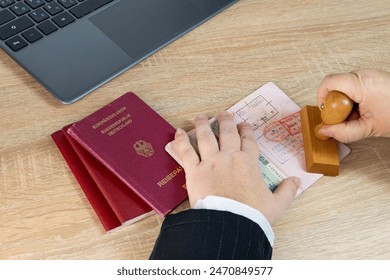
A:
(321, 153)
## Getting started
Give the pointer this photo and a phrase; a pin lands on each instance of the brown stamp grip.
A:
(336, 108)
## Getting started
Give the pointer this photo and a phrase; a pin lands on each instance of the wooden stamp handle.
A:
(336, 108)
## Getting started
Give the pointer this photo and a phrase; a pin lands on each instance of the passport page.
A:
(276, 122)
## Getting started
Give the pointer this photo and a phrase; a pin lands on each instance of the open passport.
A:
(276, 121)
(117, 156)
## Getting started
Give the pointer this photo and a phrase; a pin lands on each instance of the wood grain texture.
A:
(43, 212)
(320, 156)
(336, 107)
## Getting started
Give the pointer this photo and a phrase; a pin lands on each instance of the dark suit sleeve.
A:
(210, 234)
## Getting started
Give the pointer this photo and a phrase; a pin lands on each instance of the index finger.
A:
(248, 139)
(207, 142)
(229, 139)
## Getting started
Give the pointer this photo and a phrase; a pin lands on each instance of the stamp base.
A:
(320, 156)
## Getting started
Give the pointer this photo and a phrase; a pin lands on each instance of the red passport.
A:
(128, 138)
(95, 197)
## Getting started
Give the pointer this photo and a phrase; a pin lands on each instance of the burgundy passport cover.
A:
(128, 137)
(97, 200)
(127, 206)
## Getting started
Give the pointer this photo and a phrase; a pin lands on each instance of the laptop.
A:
(73, 46)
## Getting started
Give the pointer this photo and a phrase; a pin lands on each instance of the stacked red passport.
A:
(117, 156)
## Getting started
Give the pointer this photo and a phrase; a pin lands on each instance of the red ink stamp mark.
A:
(292, 123)
(288, 126)
(275, 132)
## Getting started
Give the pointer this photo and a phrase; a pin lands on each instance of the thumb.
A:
(284, 195)
(345, 132)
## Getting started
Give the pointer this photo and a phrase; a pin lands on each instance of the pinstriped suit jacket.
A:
(210, 234)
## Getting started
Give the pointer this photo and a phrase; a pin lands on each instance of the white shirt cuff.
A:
(226, 204)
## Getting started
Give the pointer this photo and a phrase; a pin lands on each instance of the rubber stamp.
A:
(321, 153)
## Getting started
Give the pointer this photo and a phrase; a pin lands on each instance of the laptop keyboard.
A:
(23, 22)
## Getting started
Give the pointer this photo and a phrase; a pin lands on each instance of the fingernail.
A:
(320, 132)
(297, 181)
(226, 114)
(323, 131)
(179, 132)
(244, 123)
(202, 116)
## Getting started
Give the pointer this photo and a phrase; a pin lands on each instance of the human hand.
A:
(230, 167)
(370, 90)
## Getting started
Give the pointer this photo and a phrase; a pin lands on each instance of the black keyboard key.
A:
(67, 3)
(32, 35)
(88, 6)
(63, 19)
(39, 15)
(6, 3)
(35, 3)
(6, 16)
(47, 27)
(19, 8)
(16, 43)
(53, 8)
(14, 27)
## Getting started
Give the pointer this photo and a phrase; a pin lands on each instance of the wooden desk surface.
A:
(43, 212)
